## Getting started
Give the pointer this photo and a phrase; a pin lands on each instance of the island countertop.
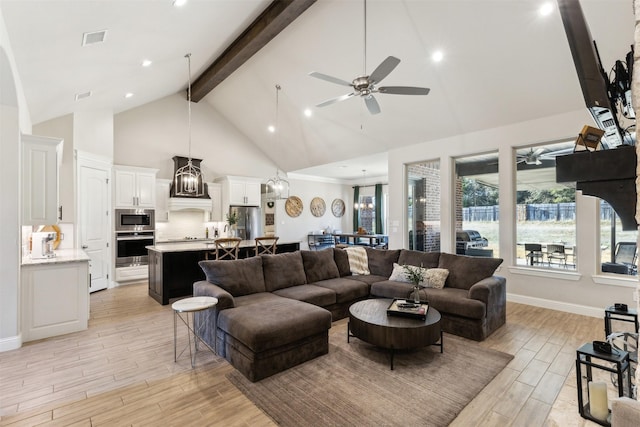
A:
(202, 245)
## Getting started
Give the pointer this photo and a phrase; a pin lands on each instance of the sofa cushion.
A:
(368, 279)
(319, 265)
(455, 301)
(391, 289)
(381, 260)
(312, 294)
(283, 270)
(465, 271)
(274, 323)
(238, 277)
(345, 290)
(341, 258)
(422, 259)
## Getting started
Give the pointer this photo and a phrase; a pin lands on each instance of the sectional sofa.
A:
(275, 311)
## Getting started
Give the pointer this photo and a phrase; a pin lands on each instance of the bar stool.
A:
(227, 248)
(266, 245)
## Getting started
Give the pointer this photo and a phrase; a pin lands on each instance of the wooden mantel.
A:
(607, 174)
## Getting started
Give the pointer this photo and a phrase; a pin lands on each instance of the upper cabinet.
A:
(41, 158)
(134, 187)
(240, 191)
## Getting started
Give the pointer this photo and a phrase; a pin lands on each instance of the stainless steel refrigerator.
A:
(249, 221)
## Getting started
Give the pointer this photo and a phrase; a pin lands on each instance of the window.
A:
(367, 213)
(423, 206)
(476, 198)
(546, 210)
(619, 250)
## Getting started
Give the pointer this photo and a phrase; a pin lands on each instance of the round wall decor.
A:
(293, 206)
(318, 206)
(337, 208)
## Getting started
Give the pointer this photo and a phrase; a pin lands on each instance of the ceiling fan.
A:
(535, 157)
(366, 85)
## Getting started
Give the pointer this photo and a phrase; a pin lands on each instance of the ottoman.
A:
(262, 339)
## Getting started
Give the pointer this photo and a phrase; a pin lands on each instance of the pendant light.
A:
(277, 187)
(362, 205)
(188, 178)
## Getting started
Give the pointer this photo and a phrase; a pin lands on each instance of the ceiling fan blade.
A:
(372, 104)
(334, 100)
(329, 78)
(384, 69)
(404, 90)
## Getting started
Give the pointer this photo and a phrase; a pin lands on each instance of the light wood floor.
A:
(121, 372)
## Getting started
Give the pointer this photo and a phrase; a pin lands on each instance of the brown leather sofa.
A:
(275, 311)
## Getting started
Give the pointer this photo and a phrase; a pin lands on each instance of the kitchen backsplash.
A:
(183, 224)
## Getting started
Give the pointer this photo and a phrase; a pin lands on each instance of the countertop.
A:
(62, 256)
(201, 245)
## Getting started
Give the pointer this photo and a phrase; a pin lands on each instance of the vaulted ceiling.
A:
(503, 63)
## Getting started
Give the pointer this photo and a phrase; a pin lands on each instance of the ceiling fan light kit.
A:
(366, 85)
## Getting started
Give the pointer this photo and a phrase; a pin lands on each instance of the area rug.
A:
(353, 385)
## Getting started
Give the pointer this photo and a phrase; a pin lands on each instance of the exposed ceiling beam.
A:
(275, 18)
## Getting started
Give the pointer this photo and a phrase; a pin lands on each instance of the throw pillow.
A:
(399, 274)
(341, 258)
(238, 277)
(358, 261)
(319, 265)
(436, 277)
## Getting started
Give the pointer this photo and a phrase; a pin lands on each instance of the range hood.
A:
(201, 202)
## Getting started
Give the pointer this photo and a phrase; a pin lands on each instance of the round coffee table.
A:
(369, 321)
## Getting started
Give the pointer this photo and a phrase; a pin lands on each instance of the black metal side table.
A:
(616, 362)
(610, 313)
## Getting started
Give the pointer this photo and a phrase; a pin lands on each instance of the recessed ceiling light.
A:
(271, 128)
(546, 9)
(308, 112)
(178, 3)
(94, 37)
(128, 95)
(146, 63)
(437, 56)
(83, 95)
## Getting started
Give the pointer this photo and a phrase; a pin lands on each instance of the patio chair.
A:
(556, 252)
(534, 253)
(625, 258)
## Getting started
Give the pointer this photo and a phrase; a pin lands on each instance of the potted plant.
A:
(416, 276)
(232, 220)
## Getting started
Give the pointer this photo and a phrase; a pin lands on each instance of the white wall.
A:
(14, 118)
(152, 134)
(93, 132)
(296, 229)
(583, 291)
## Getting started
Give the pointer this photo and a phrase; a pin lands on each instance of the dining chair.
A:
(227, 248)
(266, 245)
(556, 252)
(534, 253)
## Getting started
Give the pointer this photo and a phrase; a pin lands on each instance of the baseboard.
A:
(557, 305)
(114, 284)
(10, 343)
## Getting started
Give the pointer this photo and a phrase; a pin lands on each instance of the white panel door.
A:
(95, 223)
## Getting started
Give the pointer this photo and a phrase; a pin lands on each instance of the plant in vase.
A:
(416, 276)
(232, 220)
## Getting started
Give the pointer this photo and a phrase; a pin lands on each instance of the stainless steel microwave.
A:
(135, 220)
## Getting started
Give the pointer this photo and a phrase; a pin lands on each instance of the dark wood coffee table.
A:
(368, 321)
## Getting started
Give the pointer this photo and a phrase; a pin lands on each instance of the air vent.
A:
(94, 37)
(84, 95)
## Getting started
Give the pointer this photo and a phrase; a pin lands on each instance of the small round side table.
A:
(191, 305)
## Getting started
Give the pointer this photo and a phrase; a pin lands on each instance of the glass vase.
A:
(416, 294)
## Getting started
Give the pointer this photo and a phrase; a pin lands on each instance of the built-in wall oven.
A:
(135, 230)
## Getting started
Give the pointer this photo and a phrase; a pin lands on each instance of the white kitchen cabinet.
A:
(215, 192)
(41, 157)
(162, 200)
(134, 187)
(54, 298)
(240, 191)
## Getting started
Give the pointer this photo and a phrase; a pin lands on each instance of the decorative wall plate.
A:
(337, 208)
(318, 206)
(293, 206)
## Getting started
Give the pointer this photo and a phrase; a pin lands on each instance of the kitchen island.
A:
(173, 267)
